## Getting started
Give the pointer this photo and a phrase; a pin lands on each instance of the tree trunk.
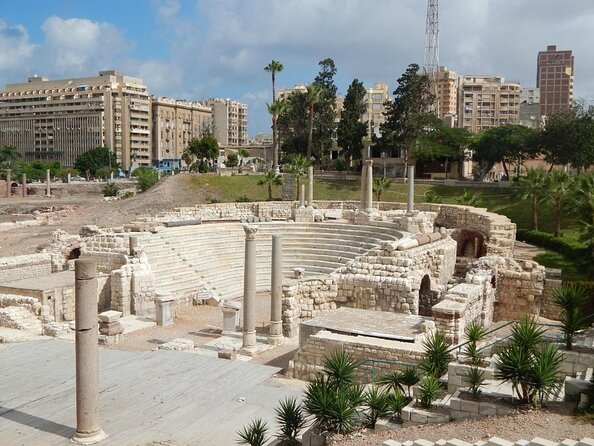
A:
(534, 213)
(505, 170)
(486, 169)
(270, 190)
(310, 133)
(274, 145)
(557, 217)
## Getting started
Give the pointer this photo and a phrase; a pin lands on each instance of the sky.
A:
(192, 49)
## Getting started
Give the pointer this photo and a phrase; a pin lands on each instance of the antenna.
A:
(431, 62)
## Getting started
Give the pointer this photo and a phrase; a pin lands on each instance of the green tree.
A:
(381, 185)
(271, 178)
(232, 161)
(408, 119)
(93, 159)
(532, 187)
(293, 124)
(276, 109)
(504, 144)
(105, 172)
(313, 98)
(146, 177)
(204, 149)
(351, 130)
(325, 126)
(297, 165)
(9, 156)
(274, 67)
(444, 144)
(568, 137)
(557, 186)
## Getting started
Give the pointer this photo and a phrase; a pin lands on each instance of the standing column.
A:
(369, 188)
(364, 186)
(8, 181)
(276, 292)
(411, 188)
(48, 191)
(88, 429)
(68, 180)
(249, 288)
(310, 196)
(302, 196)
(24, 184)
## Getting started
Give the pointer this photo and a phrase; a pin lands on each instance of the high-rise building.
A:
(487, 101)
(229, 121)
(60, 119)
(375, 99)
(530, 107)
(284, 93)
(175, 123)
(447, 92)
(554, 78)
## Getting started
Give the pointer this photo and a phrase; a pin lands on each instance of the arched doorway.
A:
(74, 254)
(427, 298)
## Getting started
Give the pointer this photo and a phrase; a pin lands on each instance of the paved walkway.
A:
(146, 397)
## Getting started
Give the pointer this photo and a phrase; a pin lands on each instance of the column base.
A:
(249, 339)
(275, 339)
(84, 438)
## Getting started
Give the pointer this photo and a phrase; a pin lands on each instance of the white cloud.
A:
(15, 48)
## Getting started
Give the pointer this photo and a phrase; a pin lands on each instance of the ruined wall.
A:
(132, 289)
(551, 284)
(108, 249)
(24, 267)
(520, 288)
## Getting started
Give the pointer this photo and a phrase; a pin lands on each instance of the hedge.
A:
(568, 248)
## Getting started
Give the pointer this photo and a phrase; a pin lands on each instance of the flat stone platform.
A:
(43, 283)
(375, 324)
(146, 398)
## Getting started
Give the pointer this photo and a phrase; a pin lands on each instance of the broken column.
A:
(364, 186)
(24, 184)
(249, 288)
(88, 429)
(276, 292)
(133, 244)
(68, 180)
(48, 191)
(302, 196)
(310, 192)
(8, 181)
(411, 189)
(369, 187)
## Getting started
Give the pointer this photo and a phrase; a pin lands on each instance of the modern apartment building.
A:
(60, 119)
(447, 92)
(554, 78)
(229, 119)
(175, 123)
(375, 99)
(487, 101)
(530, 107)
(284, 93)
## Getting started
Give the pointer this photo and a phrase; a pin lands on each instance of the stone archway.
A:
(427, 297)
(73, 254)
(471, 244)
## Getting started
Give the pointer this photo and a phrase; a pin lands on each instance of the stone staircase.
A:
(493, 441)
(187, 258)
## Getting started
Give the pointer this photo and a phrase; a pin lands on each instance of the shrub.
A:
(568, 248)
(571, 299)
(147, 178)
(397, 380)
(128, 194)
(475, 333)
(396, 402)
(475, 379)
(341, 164)
(376, 403)
(105, 172)
(253, 434)
(432, 197)
(437, 356)
(111, 189)
(429, 390)
(243, 199)
(289, 416)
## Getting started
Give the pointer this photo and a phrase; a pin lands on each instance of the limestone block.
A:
(456, 442)
(542, 442)
(586, 442)
(496, 441)
(110, 328)
(230, 354)
(109, 316)
(178, 344)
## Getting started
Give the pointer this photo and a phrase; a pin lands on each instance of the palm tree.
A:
(275, 109)
(313, 96)
(271, 178)
(557, 188)
(571, 299)
(9, 155)
(274, 67)
(297, 165)
(380, 185)
(582, 196)
(532, 188)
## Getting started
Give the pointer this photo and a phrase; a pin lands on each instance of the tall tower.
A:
(431, 62)
(554, 77)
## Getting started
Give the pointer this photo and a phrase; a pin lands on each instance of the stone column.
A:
(111, 176)
(411, 189)
(310, 195)
(48, 190)
(276, 292)
(133, 243)
(249, 288)
(88, 429)
(369, 187)
(68, 181)
(302, 196)
(364, 186)
(8, 181)
(24, 184)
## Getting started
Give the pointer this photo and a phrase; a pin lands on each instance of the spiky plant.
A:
(437, 357)
(545, 377)
(375, 402)
(475, 333)
(396, 402)
(527, 334)
(475, 379)
(290, 417)
(429, 391)
(254, 434)
(341, 368)
(392, 381)
(571, 299)
(409, 377)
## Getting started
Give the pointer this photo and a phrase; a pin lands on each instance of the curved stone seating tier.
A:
(188, 258)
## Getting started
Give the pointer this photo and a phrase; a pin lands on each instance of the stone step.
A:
(493, 441)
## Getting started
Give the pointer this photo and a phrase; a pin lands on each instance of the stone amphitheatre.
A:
(373, 279)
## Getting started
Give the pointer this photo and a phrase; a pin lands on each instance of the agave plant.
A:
(437, 356)
(375, 402)
(409, 377)
(290, 417)
(341, 368)
(397, 380)
(571, 299)
(475, 378)
(429, 390)
(396, 401)
(475, 333)
(253, 434)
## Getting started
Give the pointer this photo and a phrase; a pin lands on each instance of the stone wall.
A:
(551, 284)
(24, 267)
(520, 286)
(378, 356)
(132, 289)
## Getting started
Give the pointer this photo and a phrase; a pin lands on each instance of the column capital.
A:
(368, 162)
(250, 232)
